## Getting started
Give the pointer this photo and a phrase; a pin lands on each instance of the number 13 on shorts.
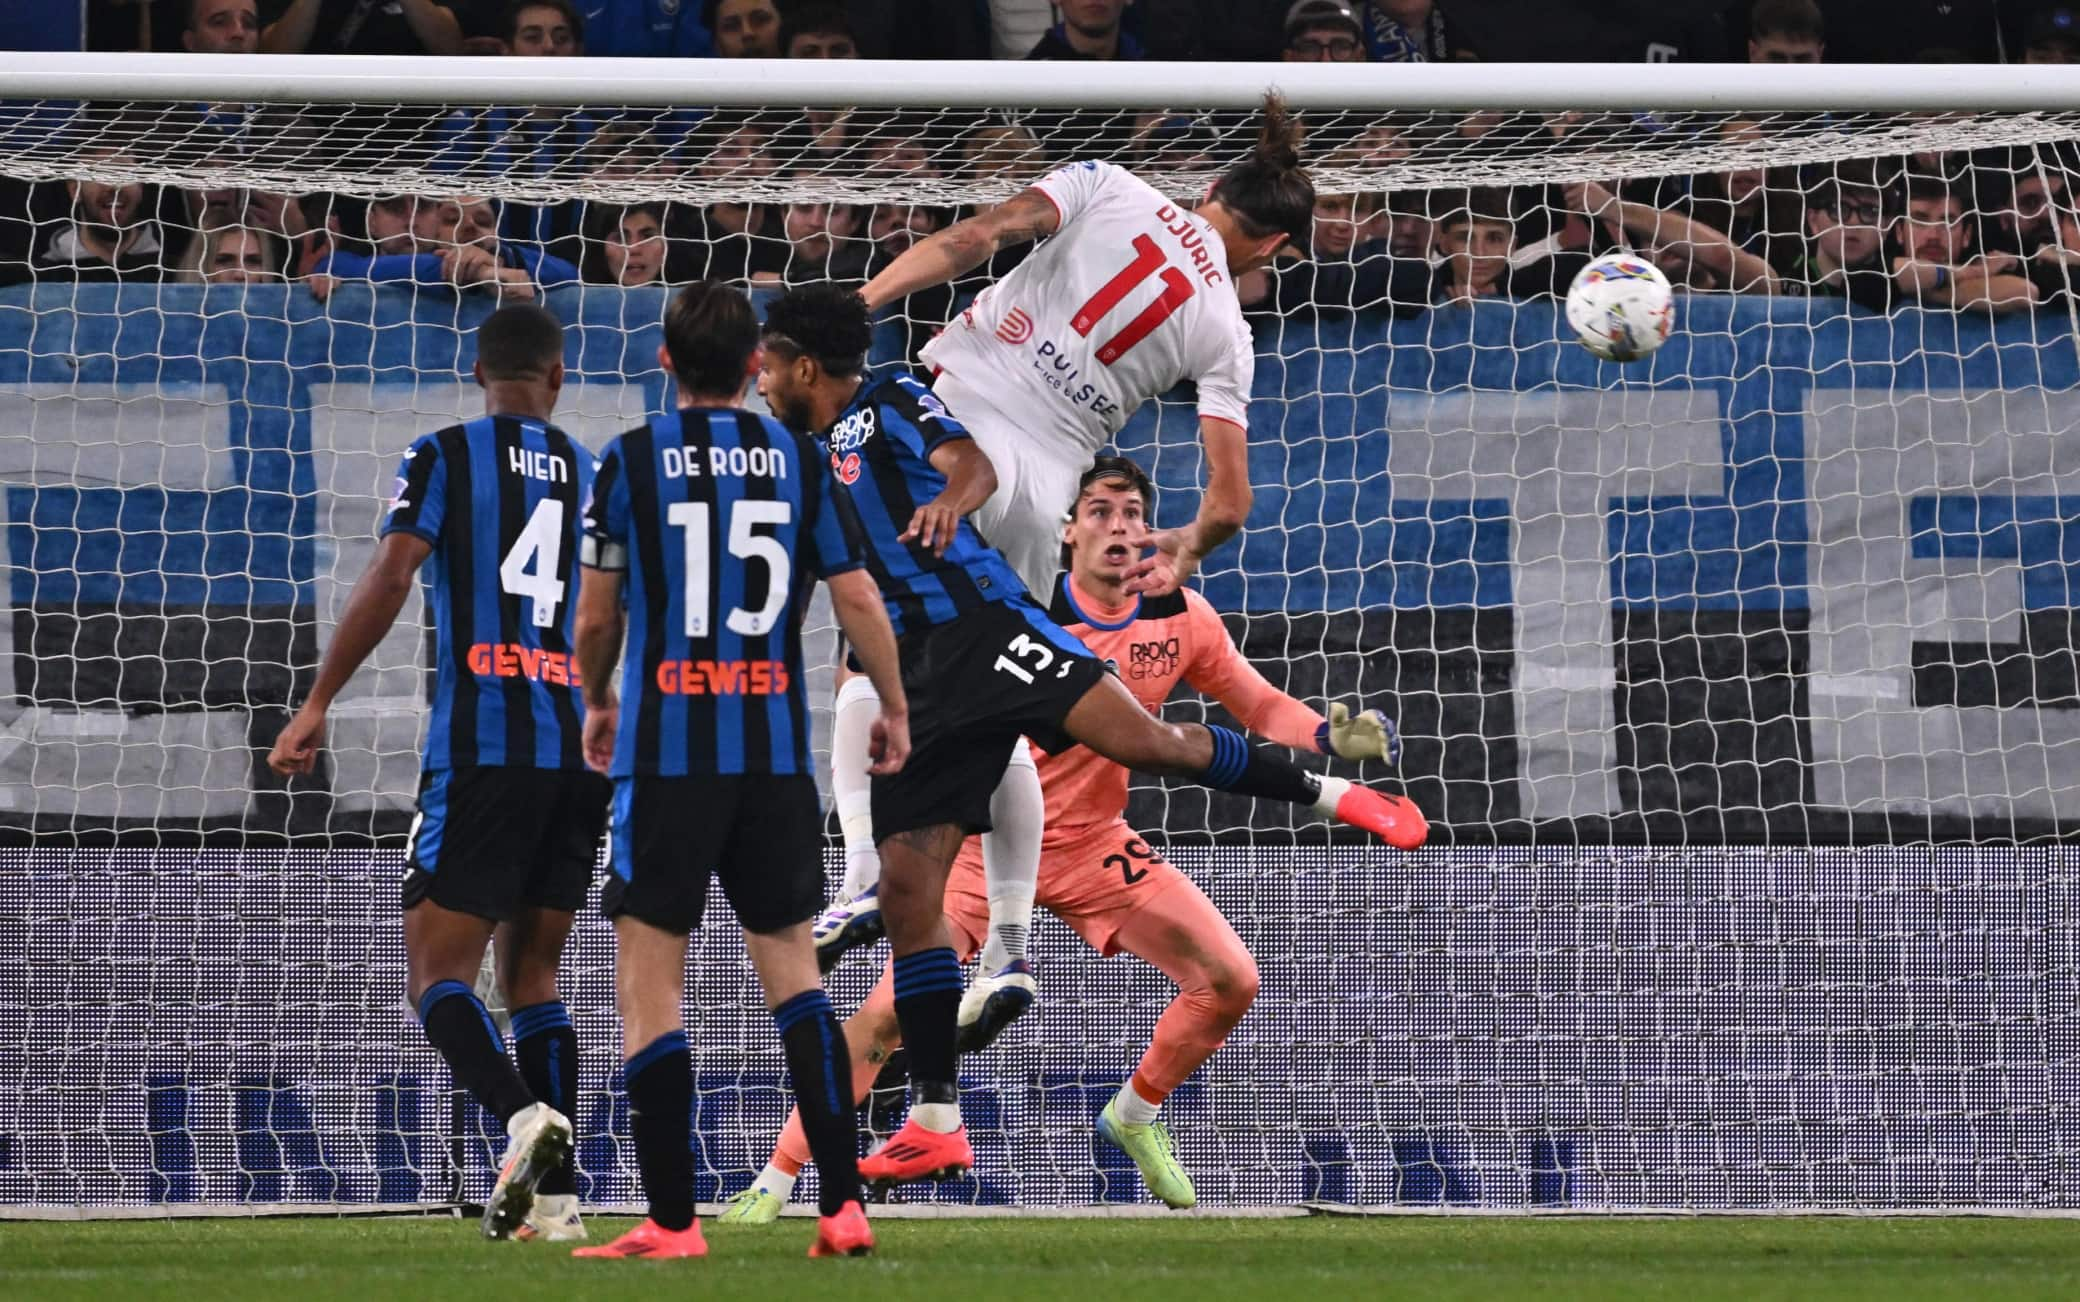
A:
(1026, 659)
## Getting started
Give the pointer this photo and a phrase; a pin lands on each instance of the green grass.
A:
(1320, 1259)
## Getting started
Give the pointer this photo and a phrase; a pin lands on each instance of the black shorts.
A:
(976, 685)
(762, 834)
(495, 840)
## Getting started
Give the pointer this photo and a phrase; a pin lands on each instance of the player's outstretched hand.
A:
(1167, 569)
(296, 747)
(888, 744)
(601, 722)
(934, 526)
(1366, 735)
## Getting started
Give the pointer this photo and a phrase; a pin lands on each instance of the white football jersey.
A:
(1130, 296)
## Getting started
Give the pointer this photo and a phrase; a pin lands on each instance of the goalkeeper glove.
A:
(1366, 735)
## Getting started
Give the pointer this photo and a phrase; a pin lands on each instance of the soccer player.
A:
(717, 522)
(509, 820)
(983, 666)
(1130, 294)
(1097, 873)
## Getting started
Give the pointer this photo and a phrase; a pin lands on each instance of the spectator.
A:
(743, 29)
(1005, 150)
(625, 246)
(1691, 253)
(234, 255)
(222, 27)
(729, 242)
(1343, 270)
(544, 29)
(900, 144)
(456, 243)
(1936, 261)
(1411, 31)
(389, 224)
(1323, 31)
(361, 27)
(2053, 36)
(108, 235)
(292, 239)
(645, 29)
(2025, 214)
(891, 229)
(819, 31)
(1090, 30)
(1786, 31)
(819, 246)
(1845, 240)
(1756, 208)
(1476, 236)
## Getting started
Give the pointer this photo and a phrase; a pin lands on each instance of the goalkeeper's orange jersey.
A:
(1156, 643)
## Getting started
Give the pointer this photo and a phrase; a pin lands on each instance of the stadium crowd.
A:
(1990, 230)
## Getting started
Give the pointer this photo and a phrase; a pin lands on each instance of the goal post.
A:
(1741, 684)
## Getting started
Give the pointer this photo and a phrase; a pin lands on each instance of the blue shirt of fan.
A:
(723, 521)
(499, 499)
(880, 451)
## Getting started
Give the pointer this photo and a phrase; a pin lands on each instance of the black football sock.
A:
(820, 1066)
(547, 1047)
(660, 1107)
(458, 1025)
(928, 1002)
(1256, 771)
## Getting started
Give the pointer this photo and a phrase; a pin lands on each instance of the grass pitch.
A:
(1199, 1258)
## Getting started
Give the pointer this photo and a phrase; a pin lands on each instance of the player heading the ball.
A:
(1130, 294)
(983, 666)
(509, 820)
(712, 522)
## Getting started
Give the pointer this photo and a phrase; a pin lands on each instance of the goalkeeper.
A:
(1096, 873)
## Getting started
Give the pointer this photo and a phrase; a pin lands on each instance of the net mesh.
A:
(1739, 684)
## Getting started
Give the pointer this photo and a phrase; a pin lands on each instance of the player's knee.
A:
(1232, 984)
(528, 984)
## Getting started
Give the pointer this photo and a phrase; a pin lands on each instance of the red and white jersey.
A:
(1130, 296)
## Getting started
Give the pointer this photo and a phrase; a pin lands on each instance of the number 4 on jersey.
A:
(1148, 260)
(536, 558)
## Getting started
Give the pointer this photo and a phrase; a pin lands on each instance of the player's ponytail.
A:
(1270, 191)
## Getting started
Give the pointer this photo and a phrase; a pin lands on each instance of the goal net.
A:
(1741, 685)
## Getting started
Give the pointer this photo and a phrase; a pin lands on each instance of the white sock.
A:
(939, 1118)
(1332, 791)
(1131, 1108)
(852, 731)
(1011, 858)
(775, 1182)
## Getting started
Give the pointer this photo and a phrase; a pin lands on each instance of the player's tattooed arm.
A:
(370, 612)
(962, 247)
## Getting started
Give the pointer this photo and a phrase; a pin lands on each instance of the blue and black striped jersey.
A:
(723, 520)
(499, 499)
(880, 451)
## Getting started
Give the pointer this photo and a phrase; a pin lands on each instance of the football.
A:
(1621, 307)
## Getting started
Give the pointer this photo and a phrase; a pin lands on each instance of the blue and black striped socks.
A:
(928, 1000)
(820, 1067)
(459, 1027)
(1256, 770)
(547, 1047)
(660, 1107)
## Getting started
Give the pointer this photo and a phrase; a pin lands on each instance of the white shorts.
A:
(1036, 486)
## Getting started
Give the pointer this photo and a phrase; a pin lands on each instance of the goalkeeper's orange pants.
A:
(1117, 893)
